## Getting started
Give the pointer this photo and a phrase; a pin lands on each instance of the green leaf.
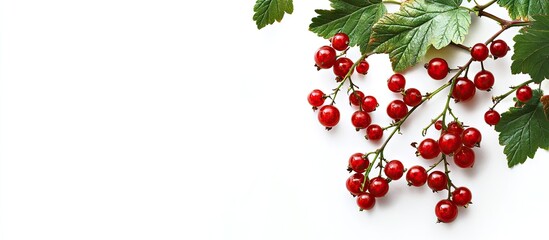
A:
(353, 17)
(523, 130)
(525, 8)
(532, 50)
(407, 34)
(269, 11)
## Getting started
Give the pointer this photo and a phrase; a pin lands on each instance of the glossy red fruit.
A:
(342, 66)
(524, 94)
(374, 132)
(463, 90)
(378, 187)
(340, 41)
(484, 80)
(438, 68)
(316, 98)
(362, 67)
(449, 142)
(471, 137)
(416, 176)
(355, 98)
(438, 125)
(361, 119)
(462, 196)
(354, 184)
(369, 104)
(437, 181)
(492, 117)
(365, 201)
(328, 116)
(394, 170)
(499, 48)
(396, 82)
(412, 97)
(446, 211)
(358, 162)
(454, 127)
(397, 109)
(428, 148)
(479, 52)
(325, 57)
(464, 157)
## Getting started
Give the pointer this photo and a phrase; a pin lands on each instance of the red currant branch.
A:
(447, 173)
(499, 98)
(347, 76)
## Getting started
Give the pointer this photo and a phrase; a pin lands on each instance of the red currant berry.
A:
(396, 82)
(369, 104)
(325, 57)
(479, 52)
(438, 68)
(362, 67)
(463, 90)
(438, 125)
(484, 80)
(416, 176)
(355, 98)
(397, 109)
(361, 119)
(455, 128)
(365, 201)
(358, 162)
(340, 41)
(449, 142)
(394, 169)
(428, 148)
(316, 98)
(524, 94)
(471, 137)
(492, 117)
(374, 132)
(354, 184)
(499, 48)
(412, 97)
(464, 157)
(437, 181)
(462, 196)
(378, 187)
(342, 66)
(446, 211)
(328, 116)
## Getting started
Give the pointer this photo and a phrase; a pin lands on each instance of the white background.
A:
(174, 119)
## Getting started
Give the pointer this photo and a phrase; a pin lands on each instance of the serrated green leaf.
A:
(525, 8)
(523, 130)
(407, 34)
(269, 11)
(532, 50)
(353, 17)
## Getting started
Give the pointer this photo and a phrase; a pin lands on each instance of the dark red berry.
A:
(354, 184)
(464, 157)
(479, 52)
(412, 97)
(446, 211)
(462, 196)
(471, 137)
(374, 132)
(428, 148)
(378, 187)
(416, 176)
(396, 82)
(328, 116)
(499, 48)
(438, 68)
(397, 109)
(355, 98)
(524, 94)
(394, 170)
(484, 80)
(438, 125)
(340, 41)
(492, 117)
(369, 104)
(455, 128)
(365, 201)
(362, 67)
(316, 98)
(342, 66)
(325, 57)
(463, 90)
(358, 162)
(361, 119)
(449, 143)
(437, 181)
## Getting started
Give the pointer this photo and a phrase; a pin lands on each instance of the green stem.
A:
(479, 7)
(436, 164)
(447, 173)
(499, 98)
(348, 76)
